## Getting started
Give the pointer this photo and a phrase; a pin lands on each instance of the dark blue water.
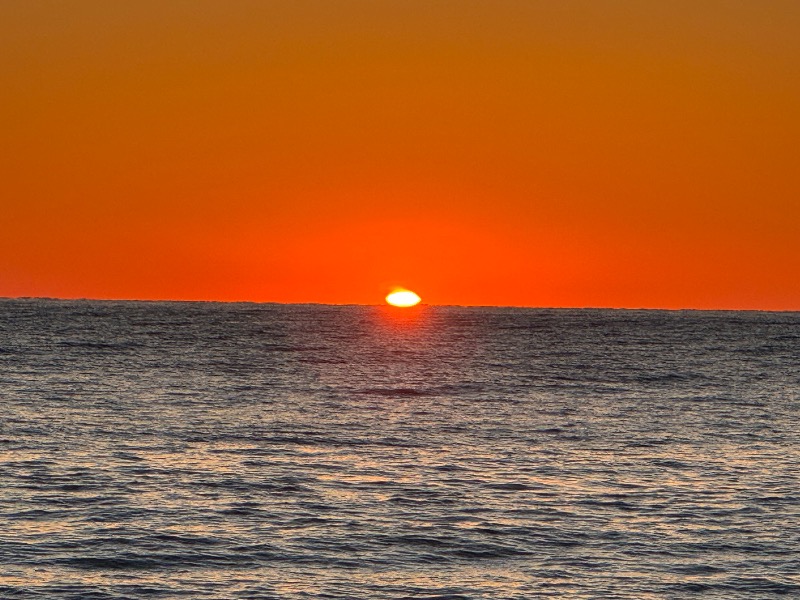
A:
(166, 450)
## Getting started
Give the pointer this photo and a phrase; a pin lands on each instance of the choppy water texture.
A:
(164, 450)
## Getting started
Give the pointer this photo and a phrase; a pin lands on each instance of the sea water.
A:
(202, 450)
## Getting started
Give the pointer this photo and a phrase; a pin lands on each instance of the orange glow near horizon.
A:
(589, 153)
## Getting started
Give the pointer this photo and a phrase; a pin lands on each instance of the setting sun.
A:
(403, 298)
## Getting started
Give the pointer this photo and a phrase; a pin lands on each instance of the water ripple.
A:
(200, 450)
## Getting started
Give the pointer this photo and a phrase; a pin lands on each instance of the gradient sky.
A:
(571, 153)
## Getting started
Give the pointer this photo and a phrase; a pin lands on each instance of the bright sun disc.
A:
(403, 298)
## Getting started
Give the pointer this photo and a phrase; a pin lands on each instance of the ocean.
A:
(211, 450)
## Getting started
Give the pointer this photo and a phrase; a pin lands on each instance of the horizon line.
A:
(378, 304)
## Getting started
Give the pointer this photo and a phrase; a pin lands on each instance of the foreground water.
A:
(163, 450)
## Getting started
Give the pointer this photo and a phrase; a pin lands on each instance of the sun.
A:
(403, 298)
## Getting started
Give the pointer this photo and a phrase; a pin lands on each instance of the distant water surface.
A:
(197, 450)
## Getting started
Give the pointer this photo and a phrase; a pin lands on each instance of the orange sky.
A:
(576, 153)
